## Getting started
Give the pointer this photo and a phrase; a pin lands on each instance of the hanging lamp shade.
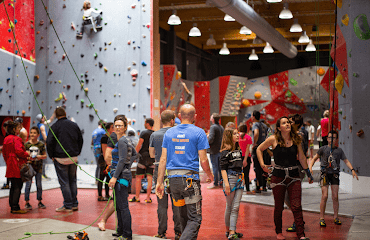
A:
(274, 1)
(195, 32)
(224, 50)
(211, 41)
(229, 18)
(295, 27)
(245, 30)
(285, 13)
(304, 38)
(174, 19)
(268, 48)
(253, 56)
(310, 47)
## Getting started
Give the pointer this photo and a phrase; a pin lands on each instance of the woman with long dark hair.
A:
(15, 156)
(286, 146)
(232, 176)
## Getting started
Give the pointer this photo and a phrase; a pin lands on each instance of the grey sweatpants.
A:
(232, 204)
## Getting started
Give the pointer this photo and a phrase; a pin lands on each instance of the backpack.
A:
(304, 143)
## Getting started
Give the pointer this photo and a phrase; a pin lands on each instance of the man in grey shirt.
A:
(214, 139)
(155, 151)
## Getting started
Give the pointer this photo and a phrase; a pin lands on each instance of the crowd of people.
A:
(172, 156)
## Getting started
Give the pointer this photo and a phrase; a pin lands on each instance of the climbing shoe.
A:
(177, 235)
(6, 186)
(233, 237)
(322, 223)
(41, 205)
(337, 221)
(240, 235)
(28, 206)
(148, 201)
(291, 228)
(160, 236)
(134, 200)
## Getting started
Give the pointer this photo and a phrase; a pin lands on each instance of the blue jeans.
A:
(67, 177)
(38, 186)
(123, 212)
(215, 160)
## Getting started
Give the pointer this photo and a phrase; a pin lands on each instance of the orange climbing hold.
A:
(246, 102)
(320, 71)
(257, 95)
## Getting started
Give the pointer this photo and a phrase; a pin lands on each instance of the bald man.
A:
(182, 148)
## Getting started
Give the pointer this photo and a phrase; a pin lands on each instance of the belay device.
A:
(79, 236)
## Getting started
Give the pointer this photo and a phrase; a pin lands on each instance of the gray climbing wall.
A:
(123, 22)
(15, 93)
(354, 106)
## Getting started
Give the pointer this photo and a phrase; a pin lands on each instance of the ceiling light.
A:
(224, 50)
(286, 13)
(194, 32)
(268, 48)
(174, 19)
(253, 55)
(274, 1)
(245, 30)
(310, 47)
(296, 27)
(303, 38)
(257, 40)
(229, 18)
(211, 41)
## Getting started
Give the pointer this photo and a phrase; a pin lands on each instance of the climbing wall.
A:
(289, 92)
(111, 66)
(352, 56)
(202, 104)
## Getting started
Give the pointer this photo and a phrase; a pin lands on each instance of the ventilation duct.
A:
(246, 16)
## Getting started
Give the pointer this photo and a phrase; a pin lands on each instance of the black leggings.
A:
(100, 185)
(15, 193)
(246, 170)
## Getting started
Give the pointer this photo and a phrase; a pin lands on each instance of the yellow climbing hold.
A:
(339, 3)
(339, 81)
(32, 59)
(345, 19)
(60, 81)
(59, 98)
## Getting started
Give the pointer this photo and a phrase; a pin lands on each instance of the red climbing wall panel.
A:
(340, 55)
(329, 76)
(278, 83)
(223, 83)
(5, 35)
(202, 104)
(168, 72)
(333, 119)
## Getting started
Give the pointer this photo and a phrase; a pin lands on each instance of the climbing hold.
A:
(23, 112)
(105, 69)
(134, 84)
(41, 22)
(8, 79)
(257, 95)
(59, 97)
(64, 96)
(10, 96)
(110, 43)
(350, 128)
(246, 102)
(144, 36)
(91, 105)
(59, 81)
(320, 71)
(9, 68)
(134, 74)
(51, 21)
(82, 55)
(38, 92)
(355, 74)
(129, 68)
(128, 42)
(115, 110)
(82, 101)
(50, 72)
(339, 82)
(361, 27)
(293, 82)
(63, 56)
(345, 19)
(143, 63)
(134, 105)
(100, 65)
(1, 106)
(95, 55)
(1, 89)
(114, 95)
(86, 89)
(64, 6)
(133, 6)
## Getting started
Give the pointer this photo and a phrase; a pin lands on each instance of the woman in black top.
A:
(286, 146)
(232, 176)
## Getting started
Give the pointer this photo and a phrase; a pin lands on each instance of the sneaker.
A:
(41, 205)
(177, 235)
(18, 211)
(74, 209)
(134, 200)
(337, 221)
(101, 199)
(121, 238)
(160, 236)
(6, 186)
(79, 35)
(240, 235)
(44, 176)
(148, 201)
(322, 223)
(28, 206)
(212, 187)
(63, 209)
(291, 228)
(233, 237)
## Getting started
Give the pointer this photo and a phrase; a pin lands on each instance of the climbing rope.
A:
(34, 95)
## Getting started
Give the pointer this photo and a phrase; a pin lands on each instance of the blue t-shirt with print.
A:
(183, 143)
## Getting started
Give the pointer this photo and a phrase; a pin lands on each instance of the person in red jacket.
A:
(15, 156)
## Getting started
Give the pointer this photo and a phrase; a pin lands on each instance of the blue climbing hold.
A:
(1, 106)
(138, 46)
(9, 40)
(16, 51)
(128, 17)
(9, 30)
(17, 111)
(119, 74)
(1, 89)
(9, 68)
(10, 96)
(15, 21)
(8, 79)
(143, 63)
(8, 111)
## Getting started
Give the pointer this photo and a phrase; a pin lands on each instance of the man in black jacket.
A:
(69, 135)
(214, 139)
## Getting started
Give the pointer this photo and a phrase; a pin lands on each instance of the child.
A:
(232, 175)
(330, 156)
(87, 13)
(37, 153)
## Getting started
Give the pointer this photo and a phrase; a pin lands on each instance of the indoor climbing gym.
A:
(184, 120)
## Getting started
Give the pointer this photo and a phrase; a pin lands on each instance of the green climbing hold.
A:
(91, 105)
(293, 82)
(361, 27)
(82, 101)
(349, 53)
(105, 23)
(355, 74)
(288, 94)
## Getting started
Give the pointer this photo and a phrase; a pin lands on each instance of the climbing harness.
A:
(239, 184)
(79, 236)
(287, 169)
(184, 173)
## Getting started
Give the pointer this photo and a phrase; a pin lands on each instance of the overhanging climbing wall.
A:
(106, 62)
(352, 57)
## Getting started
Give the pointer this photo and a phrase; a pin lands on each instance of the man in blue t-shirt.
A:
(182, 148)
(155, 150)
(95, 143)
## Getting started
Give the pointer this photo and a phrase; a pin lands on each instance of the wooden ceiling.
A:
(311, 14)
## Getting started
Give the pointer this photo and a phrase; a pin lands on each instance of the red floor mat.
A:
(255, 221)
